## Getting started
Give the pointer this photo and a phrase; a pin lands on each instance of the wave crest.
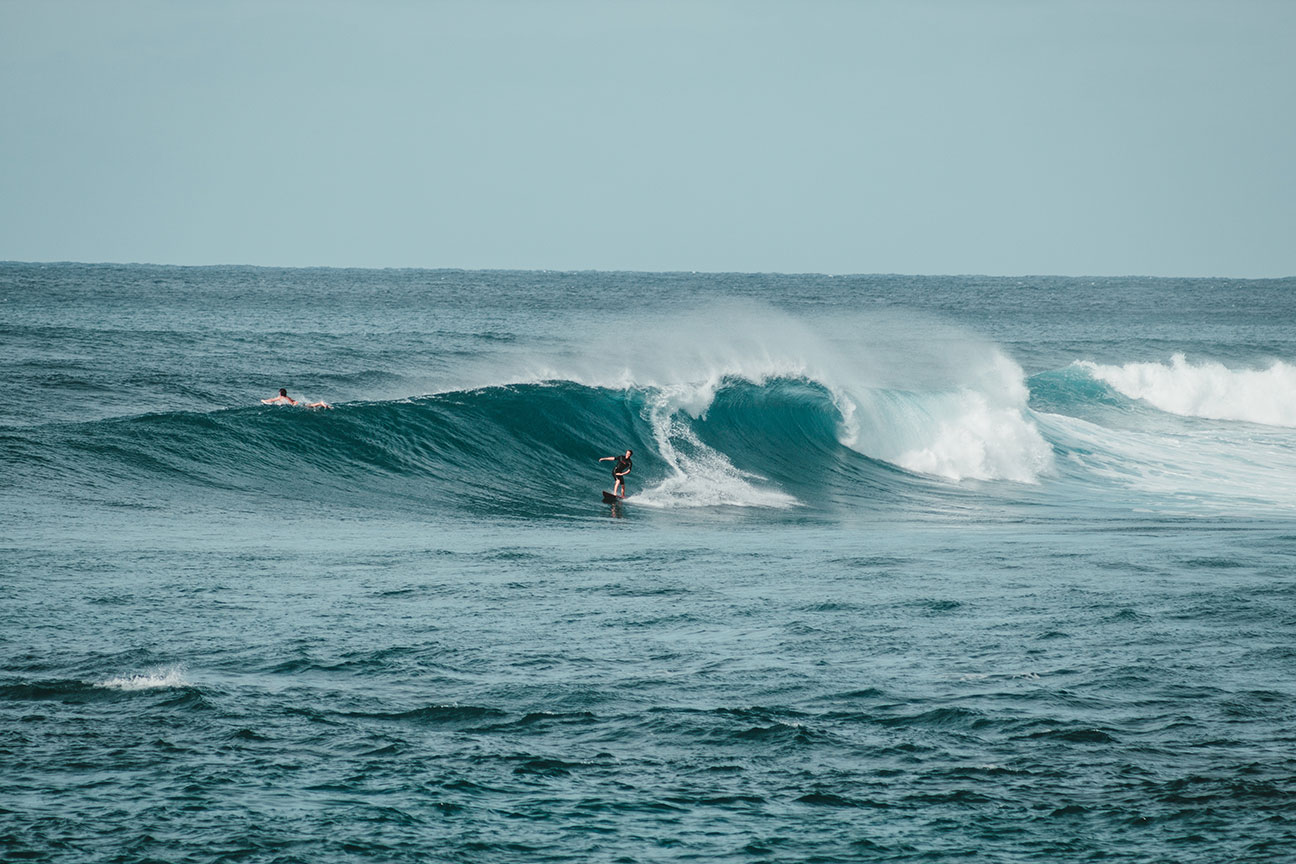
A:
(1206, 389)
(916, 393)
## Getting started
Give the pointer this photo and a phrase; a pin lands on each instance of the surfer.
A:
(284, 399)
(619, 471)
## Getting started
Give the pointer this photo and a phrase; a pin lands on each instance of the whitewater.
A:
(910, 569)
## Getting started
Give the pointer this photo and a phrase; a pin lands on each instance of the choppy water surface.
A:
(911, 569)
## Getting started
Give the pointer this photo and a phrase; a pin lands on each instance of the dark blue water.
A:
(911, 569)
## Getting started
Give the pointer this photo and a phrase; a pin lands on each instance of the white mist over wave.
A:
(922, 395)
(153, 679)
(1207, 389)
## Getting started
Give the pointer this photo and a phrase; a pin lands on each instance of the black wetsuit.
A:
(623, 465)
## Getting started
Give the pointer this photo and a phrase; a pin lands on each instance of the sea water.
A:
(910, 569)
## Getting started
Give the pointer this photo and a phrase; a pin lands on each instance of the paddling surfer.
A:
(622, 468)
(284, 399)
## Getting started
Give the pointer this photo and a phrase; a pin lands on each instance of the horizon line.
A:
(675, 272)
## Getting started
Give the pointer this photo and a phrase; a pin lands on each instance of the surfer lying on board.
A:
(622, 468)
(284, 399)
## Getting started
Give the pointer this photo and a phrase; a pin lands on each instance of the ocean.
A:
(910, 568)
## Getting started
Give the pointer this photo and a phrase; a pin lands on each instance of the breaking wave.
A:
(742, 406)
(1206, 389)
(154, 679)
(781, 413)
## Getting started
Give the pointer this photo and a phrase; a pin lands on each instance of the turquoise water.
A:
(911, 569)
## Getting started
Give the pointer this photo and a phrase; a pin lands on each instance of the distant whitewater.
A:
(164, 677)
(1207, 388)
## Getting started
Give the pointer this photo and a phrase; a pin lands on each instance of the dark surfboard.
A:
(609, 498)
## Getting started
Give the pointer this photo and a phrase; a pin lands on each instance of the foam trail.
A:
(154, 679)
(701, 476)
(1215, 468)
(1207, 389)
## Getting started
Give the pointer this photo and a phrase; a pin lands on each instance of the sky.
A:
(1002, 137)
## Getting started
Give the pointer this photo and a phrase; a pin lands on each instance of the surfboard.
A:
(609, 498)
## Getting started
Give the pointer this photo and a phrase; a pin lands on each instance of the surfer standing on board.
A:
(284, 399)
(622, 468)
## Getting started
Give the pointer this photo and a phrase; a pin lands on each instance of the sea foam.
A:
(154, 679)
(1206, 389)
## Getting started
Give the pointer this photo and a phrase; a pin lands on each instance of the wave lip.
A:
(1206, 389)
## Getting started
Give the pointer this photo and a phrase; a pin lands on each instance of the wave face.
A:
(777, 444)
(1185, 437)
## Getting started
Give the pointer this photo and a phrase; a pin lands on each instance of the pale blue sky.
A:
(1001, 137)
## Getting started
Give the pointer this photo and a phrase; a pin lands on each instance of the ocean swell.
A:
(771, 412)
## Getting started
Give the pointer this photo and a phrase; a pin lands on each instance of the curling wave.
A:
(772, 412)
(777, 444)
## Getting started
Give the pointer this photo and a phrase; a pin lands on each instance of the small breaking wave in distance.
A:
(1206, 388)
(159, 678)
